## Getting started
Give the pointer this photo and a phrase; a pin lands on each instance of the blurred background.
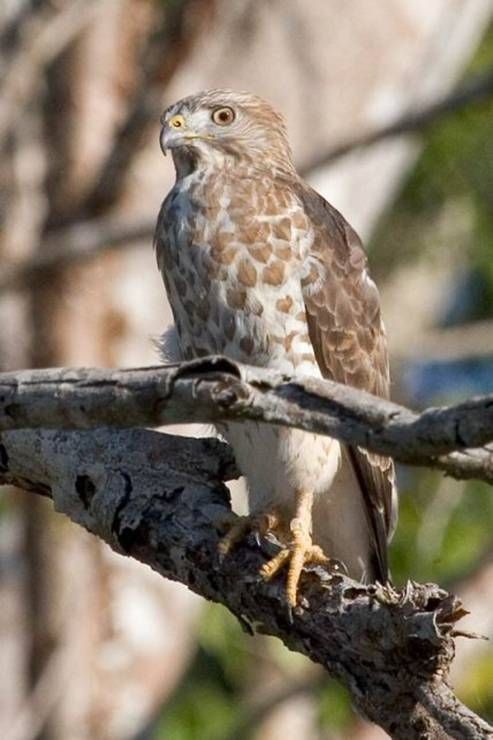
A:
(93, 646)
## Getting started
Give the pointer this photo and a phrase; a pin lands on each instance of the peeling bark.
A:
(162, 500)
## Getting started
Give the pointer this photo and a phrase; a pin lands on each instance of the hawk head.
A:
(219, 126)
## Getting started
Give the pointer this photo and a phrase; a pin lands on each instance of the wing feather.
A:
(348, 336)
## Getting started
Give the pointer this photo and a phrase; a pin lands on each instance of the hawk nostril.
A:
(177, 122)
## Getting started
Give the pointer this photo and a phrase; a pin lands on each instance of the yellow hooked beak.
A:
(175, 133)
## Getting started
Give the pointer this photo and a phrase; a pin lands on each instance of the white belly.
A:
(279, 462)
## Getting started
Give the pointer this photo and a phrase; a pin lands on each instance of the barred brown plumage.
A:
(261, 268)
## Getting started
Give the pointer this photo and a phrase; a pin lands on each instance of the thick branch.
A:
(161, 499)
(217, 389)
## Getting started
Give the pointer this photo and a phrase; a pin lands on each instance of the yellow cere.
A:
(177, 121)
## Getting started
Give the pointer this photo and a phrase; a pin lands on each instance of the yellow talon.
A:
(298, 555)
(242, 525)
(269, 570)
(299, 552)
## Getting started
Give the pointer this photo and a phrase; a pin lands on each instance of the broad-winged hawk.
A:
(259, 267)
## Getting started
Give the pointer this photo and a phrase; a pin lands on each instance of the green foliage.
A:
(335, 710)
(201, 712)
(206, 705)
(221, 635)
(476, 686)
(453, 176)
(444, 528)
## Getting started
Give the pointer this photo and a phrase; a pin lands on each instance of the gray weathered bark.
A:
(162, 500)
(216, 388)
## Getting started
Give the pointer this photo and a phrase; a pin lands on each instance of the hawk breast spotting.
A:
(259, 267)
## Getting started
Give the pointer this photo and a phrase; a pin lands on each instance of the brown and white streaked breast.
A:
(232, 249)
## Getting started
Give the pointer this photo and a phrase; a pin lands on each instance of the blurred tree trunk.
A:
(94, 674)
(336, 70)
(54, 304)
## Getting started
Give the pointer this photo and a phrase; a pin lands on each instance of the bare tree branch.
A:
(161, 499)
(43, 40)
(476, 90)
(82, 241)
(178, 27)
(218, 389)
(21, 17)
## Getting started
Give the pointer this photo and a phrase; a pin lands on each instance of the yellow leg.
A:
(300, 551)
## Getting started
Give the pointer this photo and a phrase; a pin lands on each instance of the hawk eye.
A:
(223, 116)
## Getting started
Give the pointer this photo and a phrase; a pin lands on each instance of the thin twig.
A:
(83, 241)
(477, 90)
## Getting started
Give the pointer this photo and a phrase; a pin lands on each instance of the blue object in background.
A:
(467, 300)
(437, 381)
